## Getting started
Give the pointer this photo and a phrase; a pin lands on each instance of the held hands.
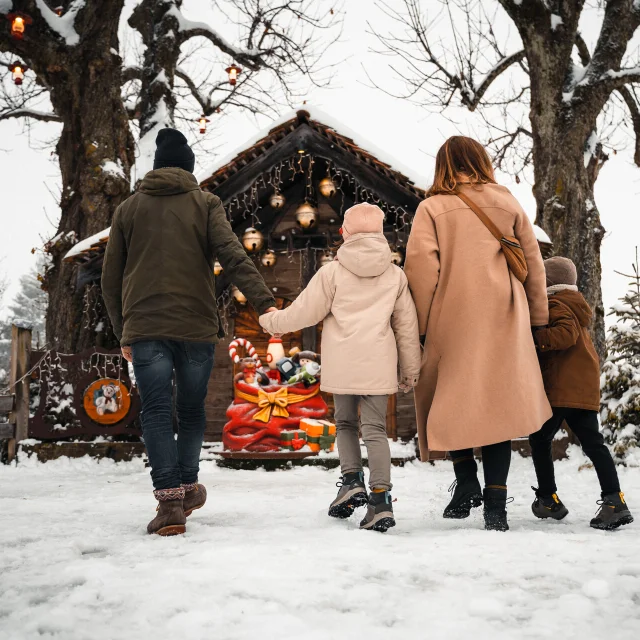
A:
(271, 310)
(407, 384)
(126, 354)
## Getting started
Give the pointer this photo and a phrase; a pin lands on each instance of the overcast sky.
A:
(29, 179)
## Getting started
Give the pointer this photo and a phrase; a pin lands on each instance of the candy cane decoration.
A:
(250, 349)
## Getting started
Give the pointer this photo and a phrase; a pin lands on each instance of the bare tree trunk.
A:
(159, 30)
(565, 169)
(95, 153)
(567, 211)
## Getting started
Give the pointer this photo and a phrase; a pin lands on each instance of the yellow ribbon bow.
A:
(278, 401)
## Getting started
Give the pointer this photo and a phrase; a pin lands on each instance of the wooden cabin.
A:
(290, 187)
(293, 185)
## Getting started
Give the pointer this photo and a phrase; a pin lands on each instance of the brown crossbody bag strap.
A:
(510, 246)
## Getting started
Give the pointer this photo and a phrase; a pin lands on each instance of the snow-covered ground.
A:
(262, 560)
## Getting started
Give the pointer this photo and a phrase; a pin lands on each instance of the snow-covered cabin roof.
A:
(336, 134)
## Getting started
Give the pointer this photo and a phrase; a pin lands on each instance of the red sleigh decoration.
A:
(259, 414)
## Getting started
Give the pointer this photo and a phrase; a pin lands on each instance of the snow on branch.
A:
(131, 73)
(189, 29)
(30, 113)
(619, 24)
(62, 25)
(621, 77)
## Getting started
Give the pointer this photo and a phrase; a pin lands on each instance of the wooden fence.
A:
(55, 397)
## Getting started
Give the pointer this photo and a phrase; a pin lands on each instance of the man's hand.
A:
(270, 310)
(126, 354)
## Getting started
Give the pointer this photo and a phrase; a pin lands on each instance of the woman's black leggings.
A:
(496, 460)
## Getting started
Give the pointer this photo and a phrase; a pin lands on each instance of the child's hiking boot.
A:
(195, 495)
(544, 507)
(351, 495)
(495, 509)
(467, 494)
(379, 515)
(613, 512)
(170, 519)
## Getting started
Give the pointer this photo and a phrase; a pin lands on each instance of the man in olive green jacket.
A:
(159, 288)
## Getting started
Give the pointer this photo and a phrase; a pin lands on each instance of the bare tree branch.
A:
(30, 113)
(583, 50)
(634, 110)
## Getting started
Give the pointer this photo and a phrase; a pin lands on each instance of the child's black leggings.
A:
(496, 460)
(584, 424)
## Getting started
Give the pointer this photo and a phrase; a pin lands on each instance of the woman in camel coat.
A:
(480, 382)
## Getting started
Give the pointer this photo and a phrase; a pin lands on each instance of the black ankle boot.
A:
(351, 495)
(613, 513)
(495, 509)
(548, 506)
(467, 492)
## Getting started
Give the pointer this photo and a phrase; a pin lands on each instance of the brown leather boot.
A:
(195, 495)
(170, 520)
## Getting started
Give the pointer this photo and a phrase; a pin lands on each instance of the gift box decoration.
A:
(293, 439)
(321, 434)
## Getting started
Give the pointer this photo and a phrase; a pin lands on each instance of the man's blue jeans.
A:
(173, 462)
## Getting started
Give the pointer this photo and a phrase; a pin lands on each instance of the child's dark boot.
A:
(551, 506)
(495, 509)
(379, 515)
(467, 492)
(613, 512)
(352, 494)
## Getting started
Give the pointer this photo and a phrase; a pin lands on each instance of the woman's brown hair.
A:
(460, 160)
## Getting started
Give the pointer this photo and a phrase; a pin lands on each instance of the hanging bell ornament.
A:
(325, 258)
(269, 259)
(306, 216)
(327, 187)
(277, 200)
(397, 258)
(253, 240)
(238, 296)
(217, 268)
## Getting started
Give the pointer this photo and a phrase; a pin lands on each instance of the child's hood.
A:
(578, 305)
(367, 255)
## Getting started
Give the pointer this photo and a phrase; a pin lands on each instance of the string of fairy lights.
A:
(335, 183)
(247, 204)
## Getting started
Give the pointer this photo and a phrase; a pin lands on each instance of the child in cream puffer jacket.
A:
(370, 348)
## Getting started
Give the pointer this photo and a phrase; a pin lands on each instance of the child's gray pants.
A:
(373, 418)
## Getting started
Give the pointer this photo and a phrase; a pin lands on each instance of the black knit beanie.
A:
(172, 150)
